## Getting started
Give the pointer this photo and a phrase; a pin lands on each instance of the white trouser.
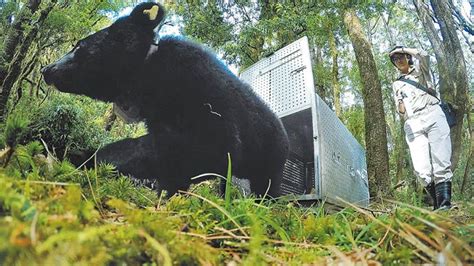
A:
(427, 135)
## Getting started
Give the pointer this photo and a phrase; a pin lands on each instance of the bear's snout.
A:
(54, 74)
(57, 71)
(47, 73)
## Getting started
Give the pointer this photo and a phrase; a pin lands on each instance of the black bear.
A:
(195, 109)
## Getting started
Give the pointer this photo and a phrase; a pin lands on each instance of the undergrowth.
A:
(52, 213)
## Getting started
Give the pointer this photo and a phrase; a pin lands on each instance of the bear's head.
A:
(102, 64)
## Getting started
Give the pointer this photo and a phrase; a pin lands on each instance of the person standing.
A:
(426, 129)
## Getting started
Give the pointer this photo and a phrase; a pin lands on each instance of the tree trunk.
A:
(458, 81)
(336, 88)
(401, 154)
(466, 26)
(14, 69)
(470, 153)
(453, 84)
(399, 139)
(436, 42)
(15, 35)
(318, 67)
(374, 115)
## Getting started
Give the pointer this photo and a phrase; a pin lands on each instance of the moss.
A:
(52, 213)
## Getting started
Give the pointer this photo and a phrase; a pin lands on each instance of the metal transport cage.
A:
(326, 162)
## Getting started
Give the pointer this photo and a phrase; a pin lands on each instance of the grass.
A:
(51, 213)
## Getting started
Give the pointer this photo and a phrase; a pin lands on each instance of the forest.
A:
(55, 212)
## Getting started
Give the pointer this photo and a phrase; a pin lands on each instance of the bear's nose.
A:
(45, 69)
(46, 72)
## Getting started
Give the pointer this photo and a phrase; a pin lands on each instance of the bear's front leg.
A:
(163, 157)
(131, 156)
(146, 158)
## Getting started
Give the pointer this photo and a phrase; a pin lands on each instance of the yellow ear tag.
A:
(152, 12)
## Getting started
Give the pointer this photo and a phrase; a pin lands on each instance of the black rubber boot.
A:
(443, 195)
(430, 188)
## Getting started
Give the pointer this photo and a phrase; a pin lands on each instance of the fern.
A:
(15, 129)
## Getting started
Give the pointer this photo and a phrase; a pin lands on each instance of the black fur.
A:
(196, 110)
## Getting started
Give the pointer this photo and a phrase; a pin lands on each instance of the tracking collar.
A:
(153, 49)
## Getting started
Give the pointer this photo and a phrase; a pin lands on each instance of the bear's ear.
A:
(149, 15)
